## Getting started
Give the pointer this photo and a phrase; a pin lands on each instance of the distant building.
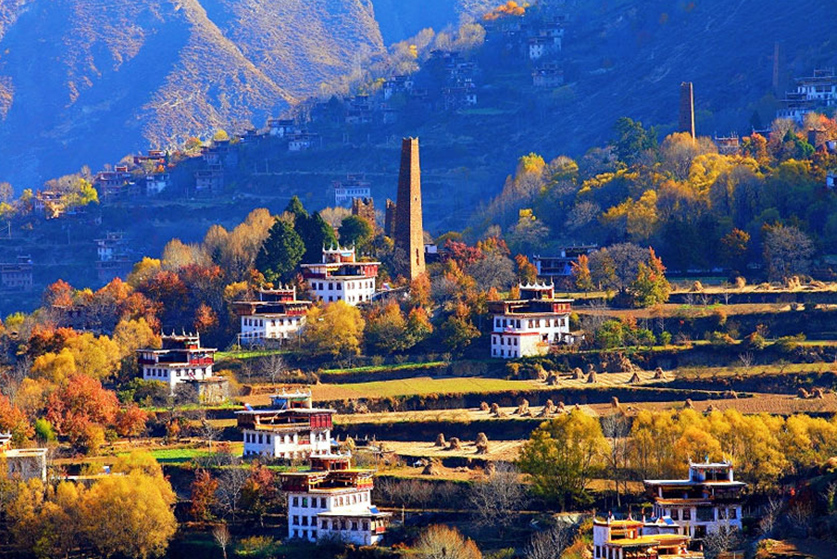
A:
(155, 183)
(814, 92)
(180, 360)
(365, 209)
(560, 266)
(50, 203)
(116, 184)
(340, 277)
(353, 186)
(708, 500)
(529, 325)
(728, 145)
(276, 315)
(291, 429)
(16, 276)
(830, 179)
(632, 539)
(26, 463)
(332, 500)
(112, 256)
(548, 75)
(301, 141)
(209, 180)
(280, 127)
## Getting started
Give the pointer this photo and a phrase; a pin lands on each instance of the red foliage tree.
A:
(130, 421)
(203, 496)
(81, 410)
(14, 421)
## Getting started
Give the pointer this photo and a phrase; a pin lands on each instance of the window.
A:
(305, 502)
(296, 521)
(305, 521)
(322, 502)
(324, 525)
(733, 513)
(330, 286)
(687, 514)
(354, 525)
(365, 525)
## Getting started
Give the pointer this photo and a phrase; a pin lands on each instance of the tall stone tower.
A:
(409, 230)
(687, 108)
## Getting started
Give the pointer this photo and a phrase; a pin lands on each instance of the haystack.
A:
(802, 393)
(553, 379)
(484, 406)
(490, 469)
(548, 409)
(495, 408)
(440, 440)
(577, 374)
(697, 287)
(710, 409)
(689, 404)
(817, 393)
(591, 378)
(523, 408)
(614, 403)
(659, 374)
(731, 394)
(635, 379)
(431, 469)
(590, 368)
(481, 443)
(454, 444)
(561, 406)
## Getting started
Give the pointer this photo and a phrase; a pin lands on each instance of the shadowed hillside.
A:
(86, 81)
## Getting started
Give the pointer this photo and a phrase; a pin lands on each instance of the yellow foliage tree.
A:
(333, 331)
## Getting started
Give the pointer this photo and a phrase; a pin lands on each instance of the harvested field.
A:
(497, 450)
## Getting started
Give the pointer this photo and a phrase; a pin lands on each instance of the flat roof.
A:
(687, 482)
(657, 539)
(303, 411)
(22, 452)
(361, 514)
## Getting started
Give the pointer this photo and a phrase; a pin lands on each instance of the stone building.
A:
(332, 500)
(341, 277)
(365, 208)
(687, 108)
(180, 360)
(409, 229)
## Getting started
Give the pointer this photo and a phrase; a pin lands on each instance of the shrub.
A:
(664, 338)
(755, 341)
(720, 339)
(787, 344)
(44, 431)
(610, 335)
(256, 546)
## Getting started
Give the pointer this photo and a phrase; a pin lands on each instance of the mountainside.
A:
(87, 81)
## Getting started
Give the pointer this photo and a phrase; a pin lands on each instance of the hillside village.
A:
(628, 354)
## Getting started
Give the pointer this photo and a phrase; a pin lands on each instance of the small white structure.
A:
(531, 324)
(181, 359)
(276, 315)
(709, 500)
(333, 500)
(26, 463)
(340, 277)
(292, 428)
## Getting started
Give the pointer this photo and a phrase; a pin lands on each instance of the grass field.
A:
(246, 354)
(421, 386)
(380, 368)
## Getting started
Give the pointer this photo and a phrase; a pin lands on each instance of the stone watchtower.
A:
(409, 230)
(687, 108)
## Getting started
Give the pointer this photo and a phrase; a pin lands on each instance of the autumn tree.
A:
(80, 410)
(333, 331)
(734, 247)
(562, 455)
(260, 493)
(650, 286)
(581, 273)
(143, 504)
(442, 542)
(787, 251)
(13, 420)
(526, 271)
(458, 331)
(203, 496)
(386, 329)
(496, 500)
(280, 253)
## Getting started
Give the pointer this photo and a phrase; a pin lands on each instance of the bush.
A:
(787, 344)
(664, 338)
(44, 431)
(256, 546)
(755, 341)
(720, 339)
(610, 335)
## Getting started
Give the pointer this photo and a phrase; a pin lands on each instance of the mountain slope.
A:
(87, 81)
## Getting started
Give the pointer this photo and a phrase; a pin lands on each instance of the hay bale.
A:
(577, 374)
(659, 374)
(590, 368)
(614, 403)
(817, 393)
(689, 404)
(495, 409)
(591, 378)
(553, 379)
(635, 379)
(481, 443)
(490, 469)
(523, 408)
(560, 406)
(710, 409)
(431, 469)
(454, 444)
(440, 440)
(732, 394)
(548, 409)
(740, 283)
(697, 287)
(484, 406)
(803, 394)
